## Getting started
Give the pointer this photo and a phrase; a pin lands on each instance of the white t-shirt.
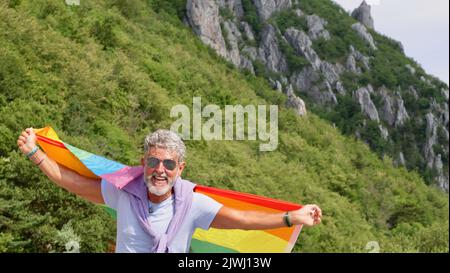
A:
(132, 238)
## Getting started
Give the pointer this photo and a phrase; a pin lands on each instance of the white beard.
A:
(158, 191)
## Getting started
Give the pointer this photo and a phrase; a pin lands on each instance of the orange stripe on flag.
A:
(283, 233)
(250, 198)
(56, 150)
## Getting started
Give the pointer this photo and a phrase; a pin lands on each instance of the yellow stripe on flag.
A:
(243, 241)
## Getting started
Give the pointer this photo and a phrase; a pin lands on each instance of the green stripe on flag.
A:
(110, 211)
(198, 246)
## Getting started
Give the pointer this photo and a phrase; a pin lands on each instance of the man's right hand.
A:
(87, 188)
(27, 141)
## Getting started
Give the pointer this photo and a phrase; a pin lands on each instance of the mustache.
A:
(160, 176)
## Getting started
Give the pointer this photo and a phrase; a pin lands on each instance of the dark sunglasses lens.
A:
(169, 164)
(152, 162)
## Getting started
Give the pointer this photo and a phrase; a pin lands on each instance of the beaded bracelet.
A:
(35, 149)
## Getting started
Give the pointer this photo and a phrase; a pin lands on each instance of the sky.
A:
(422, 26)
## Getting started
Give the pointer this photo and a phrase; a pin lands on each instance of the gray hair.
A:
(167, 140)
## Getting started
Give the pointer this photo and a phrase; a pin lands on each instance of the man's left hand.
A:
(308, 215)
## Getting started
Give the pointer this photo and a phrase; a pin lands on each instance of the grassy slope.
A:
(105, 76)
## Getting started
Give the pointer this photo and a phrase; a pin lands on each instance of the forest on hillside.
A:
(106, 73)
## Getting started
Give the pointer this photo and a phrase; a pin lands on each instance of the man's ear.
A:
(142, 162)
(181, 168)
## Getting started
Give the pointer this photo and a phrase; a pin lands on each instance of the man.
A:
(158, 211)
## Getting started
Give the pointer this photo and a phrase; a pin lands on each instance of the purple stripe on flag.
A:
(123, 176)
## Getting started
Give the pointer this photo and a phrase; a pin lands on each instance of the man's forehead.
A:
(162, 153)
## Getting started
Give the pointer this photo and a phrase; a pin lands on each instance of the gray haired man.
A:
(159, 212)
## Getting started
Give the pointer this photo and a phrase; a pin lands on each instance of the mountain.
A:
(106, 73)
(344, 70)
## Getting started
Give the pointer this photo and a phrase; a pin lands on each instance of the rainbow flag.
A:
(212, 240)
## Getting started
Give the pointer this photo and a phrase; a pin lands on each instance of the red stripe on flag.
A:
(250, 198)
(51, 141)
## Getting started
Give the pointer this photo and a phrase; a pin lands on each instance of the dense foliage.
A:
(106, 73)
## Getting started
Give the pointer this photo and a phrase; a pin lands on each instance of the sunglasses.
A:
(169, 164)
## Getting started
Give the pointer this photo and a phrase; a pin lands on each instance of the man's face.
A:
(158, 174)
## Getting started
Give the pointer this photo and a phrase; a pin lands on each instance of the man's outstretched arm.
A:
(87, 188)
(228, 218)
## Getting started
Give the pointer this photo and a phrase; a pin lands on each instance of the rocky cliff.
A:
(314, 51)
(362, 14)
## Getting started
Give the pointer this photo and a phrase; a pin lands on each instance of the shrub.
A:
(103, 31)
(251, 16)
(287, 18)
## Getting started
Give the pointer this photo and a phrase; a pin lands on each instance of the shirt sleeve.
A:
(206, 209)
(110, 194)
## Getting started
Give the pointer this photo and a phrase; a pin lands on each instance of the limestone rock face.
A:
(351, 64)
(431, 136)
(309, 81)
(260, 46)
(303, 46)
(434, 160)
(393, 110)
(248, 31)
(384, 132)
(233, 5)
(295, 102)
(265, 8)
(299, 12)
(354, 59)
(362, 32)
(319, 79)
(412, 90)
(305, 79)
(316, 26)
(402, 114)
(362, 96)
(233, 37)
(247, 64)
(203, 17)
(362, 14)
(330, 73)
(269, 52)
(251, 52)
(442, 177)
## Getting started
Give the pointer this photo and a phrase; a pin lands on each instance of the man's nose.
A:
(160, 168)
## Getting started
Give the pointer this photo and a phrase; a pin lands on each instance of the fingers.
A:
(316, 213)
(20, 142)
(26, 133)
(24, 136)
(30, 131)
(316, 209)
(22, 139)
(30, 136)
(27, 137)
